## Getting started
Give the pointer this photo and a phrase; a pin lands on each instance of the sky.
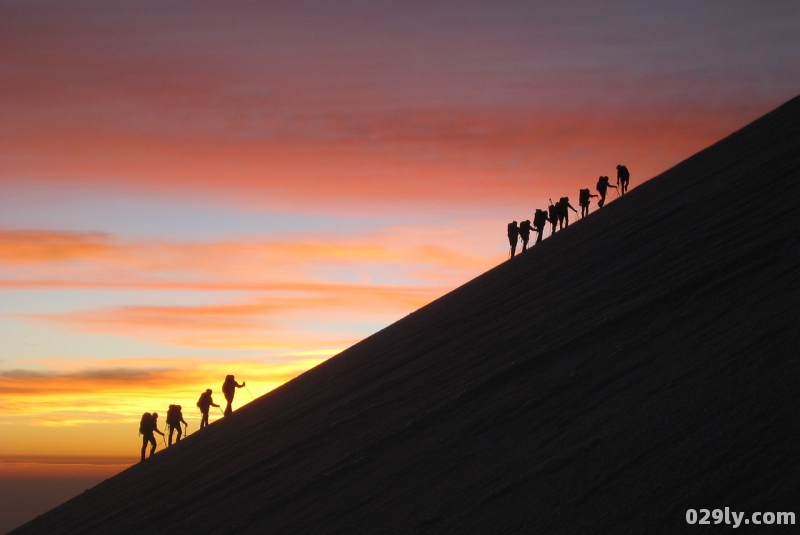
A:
(192, 189)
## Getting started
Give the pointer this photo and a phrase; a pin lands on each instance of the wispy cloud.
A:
(95, 258)
(54, 397)
(283, 285)
(284, 318)
(38, 247)
(53, 466)
(272, 322)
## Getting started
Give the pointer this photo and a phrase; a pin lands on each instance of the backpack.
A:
(540, 218)
(512, 229)
(146, 425)
(228, 386)
(174, 415)
(205, 401)
(602, 183)
(584, 196)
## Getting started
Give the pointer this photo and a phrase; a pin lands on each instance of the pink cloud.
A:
(98, 260)
(265, 323)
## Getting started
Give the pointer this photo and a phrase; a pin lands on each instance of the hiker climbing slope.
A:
(174, 421)
(552, 216)
(513, 234)
(147, 426)
(584, 199)
(525, 233)
(539, 221)
(563, 211)
(205, 403)
(602, 188)
(623, 177)
(229, 389)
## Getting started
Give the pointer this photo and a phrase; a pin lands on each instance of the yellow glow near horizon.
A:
(96, 412)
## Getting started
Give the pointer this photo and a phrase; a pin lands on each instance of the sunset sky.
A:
(191, 189)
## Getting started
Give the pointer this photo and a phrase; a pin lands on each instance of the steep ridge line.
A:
(641, 362)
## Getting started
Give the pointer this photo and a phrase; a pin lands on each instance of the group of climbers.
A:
(148, 425)
(557, 214)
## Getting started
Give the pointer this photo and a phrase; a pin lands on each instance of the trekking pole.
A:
(248, 391)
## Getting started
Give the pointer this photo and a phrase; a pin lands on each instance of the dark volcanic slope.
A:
(640, 363)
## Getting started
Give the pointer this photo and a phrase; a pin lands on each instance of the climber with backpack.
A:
(563, 211)
(228, 390)
(525, 233)
(539, 221)
(602, 188)
(552, 211)
(147, 426)
(205, 403)
(584, 197)
(174, 421)
(513, 234)
(623, 177)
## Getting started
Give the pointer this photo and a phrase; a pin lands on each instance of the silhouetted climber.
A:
(513, 233)
(539, 221)
(147, 426)
(552, 216)
(229, 389)
(623, 177)
(563, 211)
(525, 233)
(205, 403)
(174, 421)
(584, 197)
(602, 187)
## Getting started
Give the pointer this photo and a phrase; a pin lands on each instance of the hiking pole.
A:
(248, 391)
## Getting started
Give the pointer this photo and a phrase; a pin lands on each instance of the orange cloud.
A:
(35, 247)
(46, 466)
(57, 398)
(98, 260)
(292, 294)
(261, 323)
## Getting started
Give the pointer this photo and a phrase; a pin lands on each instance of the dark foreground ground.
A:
(638, 364)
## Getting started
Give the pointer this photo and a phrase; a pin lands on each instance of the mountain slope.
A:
(642, 362)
